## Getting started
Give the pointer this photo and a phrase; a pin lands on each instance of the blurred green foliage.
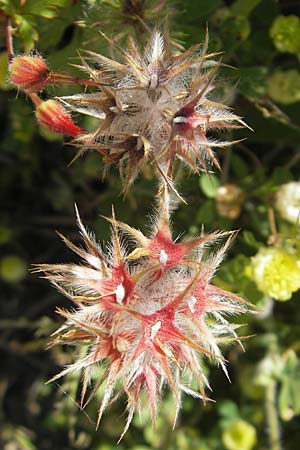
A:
(260, 39)
(285, 34)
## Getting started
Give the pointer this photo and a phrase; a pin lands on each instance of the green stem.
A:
(272, 416)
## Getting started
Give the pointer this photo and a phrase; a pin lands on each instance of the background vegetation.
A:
(260, 408)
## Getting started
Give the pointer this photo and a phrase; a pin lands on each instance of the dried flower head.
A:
(149, 314)
(153, 105)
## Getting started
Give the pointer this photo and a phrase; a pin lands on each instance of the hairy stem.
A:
(9, 43)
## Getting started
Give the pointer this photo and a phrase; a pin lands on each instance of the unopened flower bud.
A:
(29, 73)
(287, 201)
(276, 272)
(229, 199)
(51, 115)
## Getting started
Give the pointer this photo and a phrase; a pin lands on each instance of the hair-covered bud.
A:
(29, 73)
(53, 116)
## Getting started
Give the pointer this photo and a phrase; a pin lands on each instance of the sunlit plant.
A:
(145, 309)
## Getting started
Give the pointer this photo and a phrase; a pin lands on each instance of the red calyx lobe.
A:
(200, 293)
(184, 122)
(163, 241)
(119, 277)
(166, 330)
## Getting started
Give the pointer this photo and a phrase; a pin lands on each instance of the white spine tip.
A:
(154, 329)
(180, 119)
(192, 302)
(153, 81)
(120, 294)
(163, 257)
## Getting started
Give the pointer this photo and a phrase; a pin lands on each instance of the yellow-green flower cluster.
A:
(276, 272)
(285, 34)
(283, 86)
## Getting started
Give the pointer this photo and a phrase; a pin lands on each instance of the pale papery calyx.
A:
(154, 105)
(146, 311)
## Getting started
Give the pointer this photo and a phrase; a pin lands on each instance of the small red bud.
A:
(51, 115)
(29, 73)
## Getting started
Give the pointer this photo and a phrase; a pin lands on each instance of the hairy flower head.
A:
(146, 310)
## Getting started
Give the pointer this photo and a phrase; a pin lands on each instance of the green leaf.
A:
(250, 240)
(27, 32)
(233, 276)
(234, 30)
(289, 398)
(4, 83)
(253, 81)
(10, 7)
(244, 7)
(209, 185)
(206, 212)
(229, 411)
(47, 9)
(281, 175)
(239, 167)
